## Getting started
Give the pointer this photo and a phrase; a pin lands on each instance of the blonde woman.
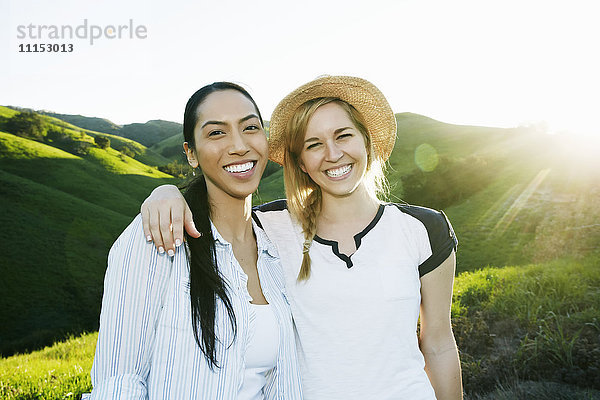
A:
(358, 272)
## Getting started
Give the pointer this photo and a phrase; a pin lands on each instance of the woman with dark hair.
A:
(210, 322)
(362, 275)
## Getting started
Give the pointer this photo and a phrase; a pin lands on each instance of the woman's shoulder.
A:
(274, 212)
(440, 239)
(427, 216)
(275, 205)
(132, 250)
(133, 233)
(275, 219)
(133, 237)
(436, 222)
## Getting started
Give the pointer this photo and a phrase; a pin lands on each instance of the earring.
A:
(194, 172)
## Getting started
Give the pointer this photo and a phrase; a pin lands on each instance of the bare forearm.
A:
(443, 370)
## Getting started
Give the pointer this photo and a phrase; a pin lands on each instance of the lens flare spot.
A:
(426, 157)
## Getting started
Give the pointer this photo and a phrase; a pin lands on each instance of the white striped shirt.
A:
(146, 347)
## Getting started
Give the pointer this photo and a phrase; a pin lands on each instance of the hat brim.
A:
(360, 93)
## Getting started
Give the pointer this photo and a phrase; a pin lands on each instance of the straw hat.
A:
(361, 94)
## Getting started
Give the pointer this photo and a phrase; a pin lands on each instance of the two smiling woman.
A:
(355, 272)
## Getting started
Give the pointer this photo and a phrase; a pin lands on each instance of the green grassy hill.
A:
(121, 144)
(148, 133)
(55, 246)
(61, 213)
(101, 177)
(535, 197)
(90, 123)
(151, 132)
(170, 148)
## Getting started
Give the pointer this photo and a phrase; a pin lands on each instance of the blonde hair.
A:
(303, 194)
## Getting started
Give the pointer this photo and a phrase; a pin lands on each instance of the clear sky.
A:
(495, 63)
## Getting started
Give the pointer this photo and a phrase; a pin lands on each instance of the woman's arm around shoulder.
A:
(165, 214)
(436, 339)
(135, 281)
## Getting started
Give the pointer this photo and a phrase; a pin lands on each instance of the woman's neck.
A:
(231, 216)
(359, 204)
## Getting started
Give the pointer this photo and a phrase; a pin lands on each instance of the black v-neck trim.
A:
(357, 239)
(336, 250)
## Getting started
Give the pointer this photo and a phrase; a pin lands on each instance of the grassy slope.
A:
(61, 371)
(540, 207)
(7, 112)
(54, 251)
(86, 178)
(517, 299)
(151, 132)
(170, 148)
(69, 210)
(537, 321)
(142, 153)
(147, 133)
(540, 182)
(91, 123)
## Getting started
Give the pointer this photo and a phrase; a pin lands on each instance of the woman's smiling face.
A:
(334, 154)
(230, 144)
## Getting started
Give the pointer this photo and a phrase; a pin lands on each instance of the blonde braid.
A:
(310, 213)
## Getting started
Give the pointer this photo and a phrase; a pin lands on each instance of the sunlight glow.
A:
(520, 202)
(426, 157)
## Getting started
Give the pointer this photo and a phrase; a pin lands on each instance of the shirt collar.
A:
(263, 243)
(217, 236)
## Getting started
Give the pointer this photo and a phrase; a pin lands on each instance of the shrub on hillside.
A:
(56, 136)
(62, 140)
(128, 151)
(79, 148)
(26, 124)
(102, 142)
(176, 169)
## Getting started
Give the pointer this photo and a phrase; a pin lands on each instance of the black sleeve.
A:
(441, 235)
(275, 205)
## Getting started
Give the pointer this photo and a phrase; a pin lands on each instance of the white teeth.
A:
(237, 168)
(334, 173)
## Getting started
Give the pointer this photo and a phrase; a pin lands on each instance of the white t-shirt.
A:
(356, 317)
